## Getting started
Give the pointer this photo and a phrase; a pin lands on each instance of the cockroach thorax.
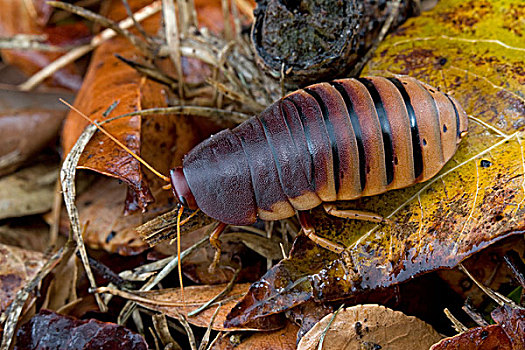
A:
(180, 188)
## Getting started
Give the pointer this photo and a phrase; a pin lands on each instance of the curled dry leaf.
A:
(370, 327)
(282, 339)
(476, 200)
(29, 17)
(160, 139)
(25, 132)
(17, 266)
(29, 191)
(63, 332)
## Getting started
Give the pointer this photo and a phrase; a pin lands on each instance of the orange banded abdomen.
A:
(330, 141)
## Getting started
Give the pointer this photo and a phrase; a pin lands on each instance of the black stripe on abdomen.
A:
(357, 131)
(458, 132)
(385, 129)
(331, 135)
(414, 130)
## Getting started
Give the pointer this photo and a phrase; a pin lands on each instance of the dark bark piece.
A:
(317, 40)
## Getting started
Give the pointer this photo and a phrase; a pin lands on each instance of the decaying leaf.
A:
(28, 191)
(106, 226)
(370, 327)
(234, 255)
(508, 333)
(512, 321)
(62, 332)
(25, 132)
(476, 200)
(489, 337)
(486, 266)
(282, 339)
(27, 233)
(17, 266)
(29, 18)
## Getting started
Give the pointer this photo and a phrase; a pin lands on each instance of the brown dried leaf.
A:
(508, 333)
(29, 17)
(29, 233)
(282, 339)
(489, 337)
(487, 267)
(25, 132)
(512, 321)
(28, 191)
(17, 266)
(100, 208)
(194, 297)
(370, 327)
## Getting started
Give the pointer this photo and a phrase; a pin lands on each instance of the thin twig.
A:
(29, 42)
(152, 282)
(497, 297)
(458, 326)
(184, 322)
(137, 25)
(206, 337)
(80, 51)
(67, 178)
(173, 40)
(223, 293)
(95, 17)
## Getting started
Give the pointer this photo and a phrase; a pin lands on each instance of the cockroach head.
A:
(181, 190)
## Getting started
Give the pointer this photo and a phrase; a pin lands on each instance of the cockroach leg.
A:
(309, 231)
(216, 243)
(331, 209)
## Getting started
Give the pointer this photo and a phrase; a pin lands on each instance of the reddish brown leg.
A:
(331, 209)
(309, 231)
(216, 243)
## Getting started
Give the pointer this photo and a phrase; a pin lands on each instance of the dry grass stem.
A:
(153, 281)
(80, 51)
(173, 41)
(29, 42)
(223, 293)
(92, 16)
(67, 178)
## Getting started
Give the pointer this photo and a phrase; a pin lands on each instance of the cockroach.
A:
(333, 141)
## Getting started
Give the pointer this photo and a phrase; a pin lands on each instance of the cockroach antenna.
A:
(180, 207)
(133, 154)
